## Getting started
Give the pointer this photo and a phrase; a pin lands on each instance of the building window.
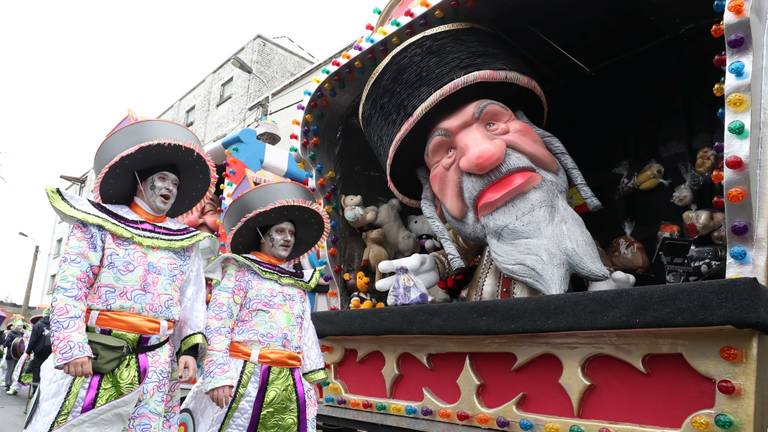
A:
(57, 248)
(189, 116)
(51, 283)
(225, 92)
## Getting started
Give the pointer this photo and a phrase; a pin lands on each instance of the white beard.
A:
(535, 238)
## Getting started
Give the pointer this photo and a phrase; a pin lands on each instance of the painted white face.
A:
(159, 191)
(279, 240)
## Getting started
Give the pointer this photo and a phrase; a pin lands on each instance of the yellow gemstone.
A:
(551, 427)
(719, 89)
(738, 102)
(334, 389)
(701, 422)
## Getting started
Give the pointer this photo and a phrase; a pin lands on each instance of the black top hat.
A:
(273, 203)
(147, 145)
(407, 74)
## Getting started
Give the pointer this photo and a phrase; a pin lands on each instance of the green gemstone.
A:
(312, 156)
(377, 11)
(724, 421)
(325, 71)
(736, 127)
(294, 149)
(395, 22)
(381, 406)
(325, 383)
(575, 428)
(235, 149)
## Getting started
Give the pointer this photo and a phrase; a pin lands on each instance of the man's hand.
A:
(421, 266)
(79, 367)
(221, 395)
(187, 368)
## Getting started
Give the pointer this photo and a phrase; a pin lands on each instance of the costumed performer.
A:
(128, 304)
(263, 351)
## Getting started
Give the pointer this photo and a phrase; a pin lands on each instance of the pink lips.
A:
(504, 189)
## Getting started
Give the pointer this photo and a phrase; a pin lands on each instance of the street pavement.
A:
(12, 411)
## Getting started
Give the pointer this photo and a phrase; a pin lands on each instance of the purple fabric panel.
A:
(277, 269)
(143, 360)
(300, 397)
(90, 396)
(253, 425)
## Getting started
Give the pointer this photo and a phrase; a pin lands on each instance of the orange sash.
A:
(267, 356)
(128, 322)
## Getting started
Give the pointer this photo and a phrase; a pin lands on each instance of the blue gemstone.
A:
(718, 6)
(526, 424)
(737, 68)
(721, 113)
(410, 410)
(329, 399)
(739, 253)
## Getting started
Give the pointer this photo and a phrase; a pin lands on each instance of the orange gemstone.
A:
(736, 195)
(731, 354)
(736, 7)
(717, 176)
(445, 413)
(482, 419)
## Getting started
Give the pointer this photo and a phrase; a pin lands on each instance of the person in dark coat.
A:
(39, 345)
(16, 331)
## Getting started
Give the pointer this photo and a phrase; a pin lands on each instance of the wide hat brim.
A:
(272, 203)
(148, 144)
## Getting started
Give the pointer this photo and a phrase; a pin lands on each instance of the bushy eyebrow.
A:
(485, 104)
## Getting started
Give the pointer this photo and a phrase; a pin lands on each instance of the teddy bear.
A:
(398, 241)
(360, 299)
(354, 212)
(374, 252)
(419, 226)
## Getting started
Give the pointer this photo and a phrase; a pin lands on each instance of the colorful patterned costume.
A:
(115, 261)
(261, 312)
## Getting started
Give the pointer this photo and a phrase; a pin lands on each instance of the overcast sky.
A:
(72, 69)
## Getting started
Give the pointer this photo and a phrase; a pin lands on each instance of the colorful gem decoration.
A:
(463, 415)
(482, 419)
(730, 353)
(726, 387)
(411, 410)
(445, 413)
(736, 195)
(739, 228)
(738, 102)
(502, 422)
(526, 424)
(380, 406)
(551, 427)
(737, 68)
(724, 421)
(736, 127)
(426, 411)
(738, 253)
(701, 422)
(575, 428)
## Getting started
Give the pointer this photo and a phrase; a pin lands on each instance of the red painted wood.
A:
(538, 379)
(364, 378)
(440, 378)
(665, 396)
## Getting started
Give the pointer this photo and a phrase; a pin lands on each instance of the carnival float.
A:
(545, 216)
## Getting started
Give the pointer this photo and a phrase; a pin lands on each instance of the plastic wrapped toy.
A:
(407, 289)
(628, 254)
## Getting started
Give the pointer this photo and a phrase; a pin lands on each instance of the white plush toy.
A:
(419, 226)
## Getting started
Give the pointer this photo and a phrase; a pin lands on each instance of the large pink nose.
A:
(481, 155)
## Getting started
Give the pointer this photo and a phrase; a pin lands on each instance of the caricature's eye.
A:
(450, 152)
(490, 125)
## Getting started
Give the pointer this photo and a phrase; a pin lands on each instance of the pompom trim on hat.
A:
(283, 203)
(484, 76)
(168, 142)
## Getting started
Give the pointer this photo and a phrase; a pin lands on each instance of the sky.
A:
(72, 69)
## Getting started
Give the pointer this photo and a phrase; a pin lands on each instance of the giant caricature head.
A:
(497, 182)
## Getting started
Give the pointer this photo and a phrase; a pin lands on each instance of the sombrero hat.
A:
(147, 145)
(272, 203)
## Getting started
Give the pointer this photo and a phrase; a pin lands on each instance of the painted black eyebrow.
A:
(485, 104)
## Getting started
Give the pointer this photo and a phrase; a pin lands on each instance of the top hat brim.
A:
(149, 144)
(272, 203)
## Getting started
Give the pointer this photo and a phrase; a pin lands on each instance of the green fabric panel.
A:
(280, 412)
(242, 386)
(191, 340)
(316, 376)
(68, 404)
(62, 206)
(119, 382)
